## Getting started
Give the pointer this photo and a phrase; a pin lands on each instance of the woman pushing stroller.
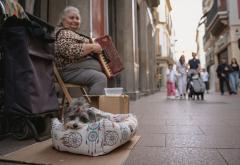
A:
(190, 80)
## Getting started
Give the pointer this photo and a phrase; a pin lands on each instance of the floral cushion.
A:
(96, 138)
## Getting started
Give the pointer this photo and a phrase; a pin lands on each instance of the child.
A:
(205, 77)
(171, 78)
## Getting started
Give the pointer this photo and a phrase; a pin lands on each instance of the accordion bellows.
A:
(109, 58)
(96, 138)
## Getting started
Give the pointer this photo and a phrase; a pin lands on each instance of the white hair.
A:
(66, 11)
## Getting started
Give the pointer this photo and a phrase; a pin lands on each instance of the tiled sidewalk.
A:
(179, 132)
(186, 132)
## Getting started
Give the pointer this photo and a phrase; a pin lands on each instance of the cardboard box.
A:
(114, 104)
(94, 101)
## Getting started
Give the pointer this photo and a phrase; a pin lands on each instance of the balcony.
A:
(164, 60)
(217, 18)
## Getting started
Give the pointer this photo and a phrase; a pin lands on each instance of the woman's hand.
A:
(91, 48)
(97, 48)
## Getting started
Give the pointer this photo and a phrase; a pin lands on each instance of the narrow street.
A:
(186, 132)
(138, 46)
(179, 132)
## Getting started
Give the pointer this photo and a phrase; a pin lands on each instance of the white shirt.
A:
(181, 69)
(204, 76)
(171, 75)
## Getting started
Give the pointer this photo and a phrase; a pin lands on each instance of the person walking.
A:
(205, 78)
(223, 70)
(171, 79)
(194, 67)
(182, 77)
(234, 75)
(194, 64)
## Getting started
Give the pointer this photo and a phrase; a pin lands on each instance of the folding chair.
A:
(66, 86)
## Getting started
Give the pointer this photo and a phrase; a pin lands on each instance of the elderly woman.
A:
(74, 54)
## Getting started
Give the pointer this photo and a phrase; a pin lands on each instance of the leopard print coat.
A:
(68, 47)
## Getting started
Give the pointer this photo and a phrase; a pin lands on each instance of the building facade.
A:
(164, 28)
(222, 31)
(131, 27)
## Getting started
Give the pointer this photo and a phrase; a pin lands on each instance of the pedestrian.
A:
(234, 75)
(171, 79)
(205, 78)
(73, 53)
(182, 77)
(194, 67)
(194, 64)
(223, 70)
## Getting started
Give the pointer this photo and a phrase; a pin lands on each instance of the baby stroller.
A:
(29, 98)
(196, 87)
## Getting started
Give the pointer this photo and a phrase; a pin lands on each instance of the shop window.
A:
(223, 55)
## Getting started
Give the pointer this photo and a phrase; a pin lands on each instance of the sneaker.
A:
(181, 97)
(172, 97)
(184, 96)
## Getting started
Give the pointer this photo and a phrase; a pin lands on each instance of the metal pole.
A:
(2, 8)
(3, 17)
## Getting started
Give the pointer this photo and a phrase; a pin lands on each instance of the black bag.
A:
(1, 77)
(29, 76)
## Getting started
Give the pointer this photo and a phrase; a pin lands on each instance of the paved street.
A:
(180, 132)
(184, 132)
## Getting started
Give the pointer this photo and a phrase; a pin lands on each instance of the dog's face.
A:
(76, 114)
(75, 119)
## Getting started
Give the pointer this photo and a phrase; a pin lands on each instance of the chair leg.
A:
(61, 112)
(84, 92)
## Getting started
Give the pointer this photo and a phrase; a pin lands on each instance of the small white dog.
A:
(78, 113)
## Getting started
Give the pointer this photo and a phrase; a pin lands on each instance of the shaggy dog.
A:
(78, 114)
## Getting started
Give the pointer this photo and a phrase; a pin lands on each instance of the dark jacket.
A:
(223, 70)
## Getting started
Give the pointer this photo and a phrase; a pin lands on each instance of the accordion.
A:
(109, 58)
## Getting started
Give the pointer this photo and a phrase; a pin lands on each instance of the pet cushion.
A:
(96, 138)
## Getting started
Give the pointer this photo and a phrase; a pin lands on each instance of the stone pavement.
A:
(187, 132)
(179, 132)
